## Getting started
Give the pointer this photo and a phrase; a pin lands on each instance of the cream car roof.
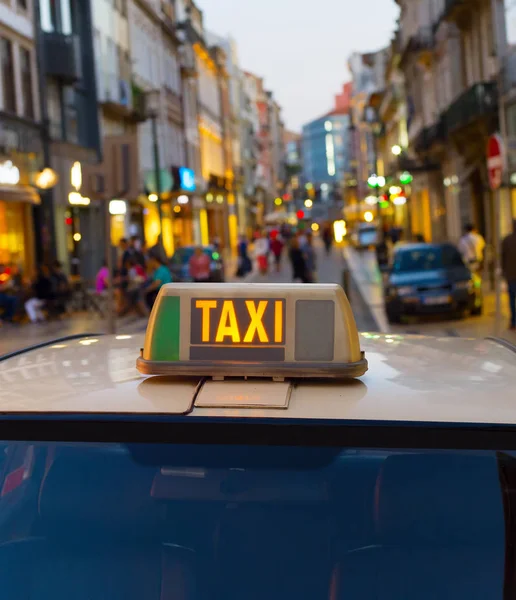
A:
(410, 378)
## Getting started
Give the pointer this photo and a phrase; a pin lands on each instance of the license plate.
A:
(433, 300)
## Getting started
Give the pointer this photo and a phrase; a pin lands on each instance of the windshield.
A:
(251, 522)
(427, 259)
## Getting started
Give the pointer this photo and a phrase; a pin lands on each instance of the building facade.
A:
(69, 111)
(325, 151)
(21, 151)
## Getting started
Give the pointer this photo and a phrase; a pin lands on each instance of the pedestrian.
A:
(277, 250)
(244, 262)
(199, 266)
(509, 271)
(310, 258)
(8, 301)
(261, 252)
(297, 260)
(159, 274)
(471, 246)
(41, 295)
(135, 249)
(327, 238)
(102, 278)
(61, 290)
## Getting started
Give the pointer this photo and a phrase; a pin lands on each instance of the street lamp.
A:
(396, 150)
(152, 112)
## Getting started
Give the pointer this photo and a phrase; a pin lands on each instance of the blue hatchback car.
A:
(430, 278)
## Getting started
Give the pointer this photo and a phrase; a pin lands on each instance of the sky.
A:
(301, 47)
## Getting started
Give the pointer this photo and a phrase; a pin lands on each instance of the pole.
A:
(155, 148)
(110, 310)
(500, 54)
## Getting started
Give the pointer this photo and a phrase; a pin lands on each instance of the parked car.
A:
(180, 268)
(430, 278)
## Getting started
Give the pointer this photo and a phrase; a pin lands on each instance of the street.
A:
(365, 295)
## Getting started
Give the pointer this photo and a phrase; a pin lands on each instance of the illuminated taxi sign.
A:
(260, 330)
(237, 329)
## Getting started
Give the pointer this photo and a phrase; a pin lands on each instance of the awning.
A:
(19, 193)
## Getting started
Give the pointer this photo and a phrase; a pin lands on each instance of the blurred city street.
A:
(365, 293)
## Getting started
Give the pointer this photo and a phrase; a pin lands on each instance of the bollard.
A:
(345, 281)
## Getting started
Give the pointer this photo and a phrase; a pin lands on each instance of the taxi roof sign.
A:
(252, 330)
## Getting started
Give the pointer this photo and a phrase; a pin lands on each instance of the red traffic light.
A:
(68, 221)
(300, 214)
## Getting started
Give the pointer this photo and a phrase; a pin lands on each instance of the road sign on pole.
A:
(495, 161)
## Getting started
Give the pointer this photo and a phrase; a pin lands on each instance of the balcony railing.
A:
(479, 101)
(509, 73)
(456, 9)
(63, 59)
(429, 136)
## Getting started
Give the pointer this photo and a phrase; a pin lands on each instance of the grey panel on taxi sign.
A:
(315, 325)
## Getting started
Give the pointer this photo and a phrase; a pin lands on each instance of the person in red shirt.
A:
(277, 250)
(199, 265)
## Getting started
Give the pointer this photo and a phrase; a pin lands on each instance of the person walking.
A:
(509, 271)
(310, 258)
(244, 262)
(199, 266)
(277, 250)
(327, 238)
(42, 295)
(261, 252)
(297, 259)
(471, 246)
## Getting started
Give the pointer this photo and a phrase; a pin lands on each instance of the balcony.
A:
(137, 113)
(420, 45)
(458, 11)
(431, 136)
(115, 95)
(63, 60)
(478, 102)
(509, 73)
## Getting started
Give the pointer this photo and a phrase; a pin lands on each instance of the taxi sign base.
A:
(262, 370)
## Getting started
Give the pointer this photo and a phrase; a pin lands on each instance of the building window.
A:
(70, 113)
(22, 4)
(56, 15)
(6, 51)
(26, 83)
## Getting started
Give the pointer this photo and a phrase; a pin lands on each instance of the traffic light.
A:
(300, 214)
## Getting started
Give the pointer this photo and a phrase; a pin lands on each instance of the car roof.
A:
(410, 378)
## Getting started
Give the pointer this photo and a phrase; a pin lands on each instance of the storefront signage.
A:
(76, 198)
(187, 179)
(9, 173)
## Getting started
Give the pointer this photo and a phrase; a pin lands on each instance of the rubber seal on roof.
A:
(66, 338)
(503, 342)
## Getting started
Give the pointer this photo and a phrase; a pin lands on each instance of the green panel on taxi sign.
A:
(165, 342)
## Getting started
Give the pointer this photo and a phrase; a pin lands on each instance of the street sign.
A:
(495, 161)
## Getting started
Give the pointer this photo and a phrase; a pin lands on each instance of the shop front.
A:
(181, 213)
(20, 161)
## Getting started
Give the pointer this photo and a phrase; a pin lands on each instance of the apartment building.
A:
(21, 153)
(450, 66)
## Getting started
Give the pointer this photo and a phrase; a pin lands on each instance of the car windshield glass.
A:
(420, 259)
(254, 522)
